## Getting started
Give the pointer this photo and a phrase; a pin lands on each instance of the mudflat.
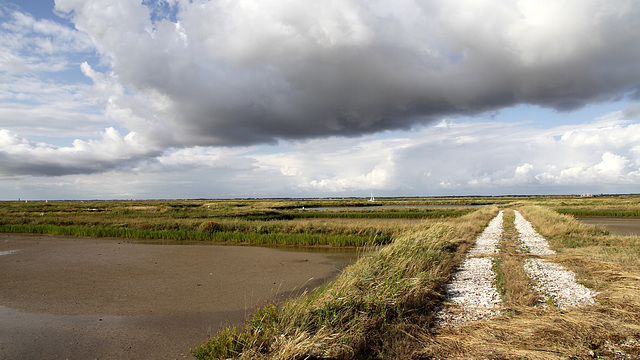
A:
(81, 298)
(615, 225)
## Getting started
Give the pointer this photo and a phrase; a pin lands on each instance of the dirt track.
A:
(104, 298)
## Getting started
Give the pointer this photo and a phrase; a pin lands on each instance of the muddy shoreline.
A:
(79, 298)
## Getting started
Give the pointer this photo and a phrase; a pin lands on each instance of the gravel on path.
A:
(560, 284)
(533, 242)
(487, 242)
(550, 279)
(471, 295)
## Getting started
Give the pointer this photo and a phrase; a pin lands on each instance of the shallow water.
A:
(615, 225)
(44, 336)
(83, 298)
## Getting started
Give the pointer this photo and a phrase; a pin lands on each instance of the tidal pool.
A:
(86, 298)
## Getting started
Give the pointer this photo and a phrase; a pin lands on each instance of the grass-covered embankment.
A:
(377, 308)
(603, 212)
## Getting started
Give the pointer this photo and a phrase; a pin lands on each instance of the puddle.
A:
(9, 252)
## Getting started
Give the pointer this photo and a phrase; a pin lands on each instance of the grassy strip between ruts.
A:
(512, 282)
(370, 311)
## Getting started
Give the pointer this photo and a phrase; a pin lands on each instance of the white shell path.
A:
(550, 279)
(471, 294)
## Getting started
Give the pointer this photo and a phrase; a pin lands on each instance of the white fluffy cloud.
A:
(451, 158)
(463, 157)
(19, 156)
(36, 97)
(29, 45)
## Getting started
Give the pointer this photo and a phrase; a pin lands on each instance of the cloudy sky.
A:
(120, 99)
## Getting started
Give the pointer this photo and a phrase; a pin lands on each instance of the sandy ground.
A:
(84, 298)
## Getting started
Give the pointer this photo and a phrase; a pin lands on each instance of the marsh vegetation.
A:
(264, 222)
(385, 304)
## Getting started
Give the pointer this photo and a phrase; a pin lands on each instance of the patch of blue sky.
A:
(162, 10)
(456, 58)
(67, 141)
(54, 141)
(541, 117)
(69, 76)
(39, 9)
(280, 148)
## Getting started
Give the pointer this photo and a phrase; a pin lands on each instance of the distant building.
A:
(586, 195)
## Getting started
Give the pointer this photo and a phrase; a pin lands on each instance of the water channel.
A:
(615, 225)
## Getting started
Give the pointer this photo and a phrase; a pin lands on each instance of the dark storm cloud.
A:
(242, 72)
(245, 72)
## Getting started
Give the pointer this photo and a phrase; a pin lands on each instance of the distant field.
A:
(343, 222)
(272, 222)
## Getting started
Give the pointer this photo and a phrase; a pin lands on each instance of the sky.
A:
(175, 99)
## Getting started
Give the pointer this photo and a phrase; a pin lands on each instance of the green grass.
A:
(189, 235)
(612, 212)
(422, 214)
